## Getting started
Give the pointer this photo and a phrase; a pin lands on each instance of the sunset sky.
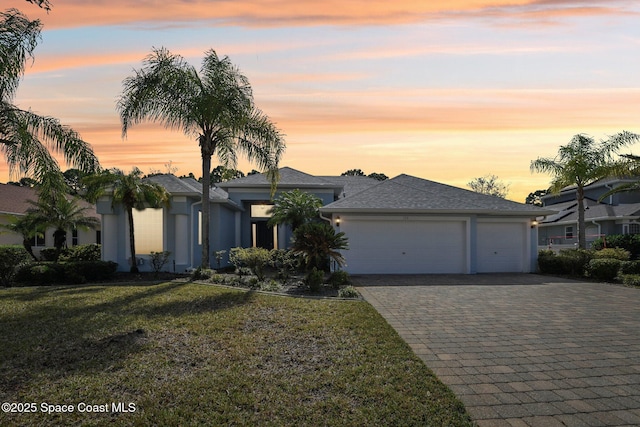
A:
(443, 90)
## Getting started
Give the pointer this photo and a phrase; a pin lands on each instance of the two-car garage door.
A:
(405, 246)
(434, 246)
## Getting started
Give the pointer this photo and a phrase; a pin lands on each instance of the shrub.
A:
(285, 262)
(11, 258)
(631, 279)
(314, 279)
(339, 278)
(348, 292)
(630, 242)
(218, 256)
(49, 254)
(571, 262)
(613, 253)
(45, 273)
(605, 269)
(202, 274)
(270, 286)
(89, 252)
(629, 267)
(256, 259)
(317, 243)
(158, 260)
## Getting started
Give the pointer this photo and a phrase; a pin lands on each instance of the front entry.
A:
(262, 235)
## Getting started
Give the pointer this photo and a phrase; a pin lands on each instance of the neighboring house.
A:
(616, 214)
(402, 225)
(14, 202)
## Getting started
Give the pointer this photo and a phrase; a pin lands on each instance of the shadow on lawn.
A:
(66, 330)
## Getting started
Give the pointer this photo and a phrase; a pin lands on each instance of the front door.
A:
(262, 235)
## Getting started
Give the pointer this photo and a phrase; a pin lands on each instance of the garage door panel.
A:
(501, 247)
(406, 247)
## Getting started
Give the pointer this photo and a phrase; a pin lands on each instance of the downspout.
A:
(599, 229)
(192, 223)
(610, 195)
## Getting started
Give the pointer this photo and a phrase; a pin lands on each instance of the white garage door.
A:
(502, 247)
(405, 247)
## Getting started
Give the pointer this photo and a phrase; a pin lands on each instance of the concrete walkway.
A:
(522, 350)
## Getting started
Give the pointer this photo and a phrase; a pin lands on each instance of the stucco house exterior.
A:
(402, 225)
(616, 214)
(14, 202)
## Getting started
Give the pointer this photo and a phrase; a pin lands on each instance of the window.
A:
(149, 230)
(634, 228)
(261, 211)
(568, 232)
(39, 240)
(99, 237)
(74, 237)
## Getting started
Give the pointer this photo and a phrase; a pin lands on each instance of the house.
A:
(616, 214)
(402, 225)
(14, 202)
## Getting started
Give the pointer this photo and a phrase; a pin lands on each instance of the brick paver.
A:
(522, 350)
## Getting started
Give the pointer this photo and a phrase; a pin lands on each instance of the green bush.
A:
(613, 253)
(339, 278)
(285, 262)
(47, 273)
(630, 242)
(49, 254)
(89, 252)
(202, 273)
(314, 279)
(11, 258)
(158, 260)
(605, 269)
(256, 259)
(348, 292)
(630, 267)
(570, 262)
(631, 279)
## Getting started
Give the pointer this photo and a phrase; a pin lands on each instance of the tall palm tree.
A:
(131, 191)
(63, 214)
(27, 139)
(215, 107)
(581, 162)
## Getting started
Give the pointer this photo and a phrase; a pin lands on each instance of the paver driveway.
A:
(522, 349)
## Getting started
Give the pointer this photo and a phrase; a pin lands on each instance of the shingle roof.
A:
(594, 212)
(190, 187)
(406, 193)
(351, 184)
(289, 178)
(14, 199)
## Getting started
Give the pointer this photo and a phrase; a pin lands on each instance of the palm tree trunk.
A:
(132, 242)
(206, 183)
(582, 238)
(27, 246)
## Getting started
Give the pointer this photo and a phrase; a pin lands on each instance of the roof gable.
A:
(14, 199)
(289, 178)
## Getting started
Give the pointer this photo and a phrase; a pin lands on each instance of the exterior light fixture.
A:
(338, 221)
(534, 223)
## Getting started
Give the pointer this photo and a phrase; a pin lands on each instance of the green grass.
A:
(190, 354)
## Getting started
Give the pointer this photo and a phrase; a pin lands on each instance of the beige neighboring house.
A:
(14, 201)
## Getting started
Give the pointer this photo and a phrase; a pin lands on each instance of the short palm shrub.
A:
(317, 243)
(11, 258)
(605, 269)
(613, 253)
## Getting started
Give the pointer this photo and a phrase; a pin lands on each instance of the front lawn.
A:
(193, 354)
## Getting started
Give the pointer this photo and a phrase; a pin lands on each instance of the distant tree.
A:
(295, 208)
(24, 182)
(222, 174)
(378, 176)
(132, 192)
(73, 178)
(535, 198)
(192, 176)
(253, 172)
(353, 172)
(215, 106)
(581, 162)
(490, 185)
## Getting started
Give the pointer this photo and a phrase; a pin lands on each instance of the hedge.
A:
(73, 272)
(11, 258)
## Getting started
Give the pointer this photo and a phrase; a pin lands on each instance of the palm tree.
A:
(25, 137)
(28, 226)
(63, 214)
(581, 162)
(317, 242)
(131, 191)
(295, 208)
(215, 107)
